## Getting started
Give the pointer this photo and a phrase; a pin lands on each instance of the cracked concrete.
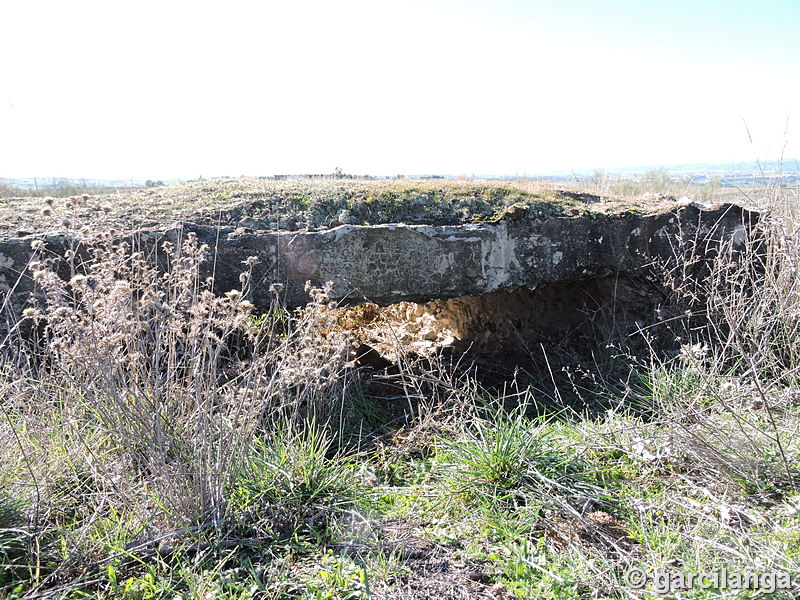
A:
(389, 263)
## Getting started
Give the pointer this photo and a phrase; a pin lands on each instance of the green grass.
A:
(509, 459)
(505, 494)
(257, 463)
(300, 483)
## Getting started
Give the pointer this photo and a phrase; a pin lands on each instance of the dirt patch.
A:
(433, 570)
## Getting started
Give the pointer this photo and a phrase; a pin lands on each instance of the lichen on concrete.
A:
(526, 246)
(309, 204)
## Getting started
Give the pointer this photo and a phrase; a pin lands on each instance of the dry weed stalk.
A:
(737, 319)
(180, 381)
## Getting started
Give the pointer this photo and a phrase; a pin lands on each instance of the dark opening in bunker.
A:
(524, 338)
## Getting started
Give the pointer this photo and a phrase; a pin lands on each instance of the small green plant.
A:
(510, 458)
(664, 384)
(295, 483)
(657, 180)
(14, 541)
(337, 578)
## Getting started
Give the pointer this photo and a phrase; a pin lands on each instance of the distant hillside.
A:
(55, 183)
(732, 174)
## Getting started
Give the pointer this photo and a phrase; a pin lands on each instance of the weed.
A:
(509, 458)
(160, 441)
(295, 484)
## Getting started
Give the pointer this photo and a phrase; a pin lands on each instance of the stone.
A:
(346, 218)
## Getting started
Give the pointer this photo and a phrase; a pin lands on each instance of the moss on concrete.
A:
(306, 204)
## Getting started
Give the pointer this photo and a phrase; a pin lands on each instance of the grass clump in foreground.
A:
(161, 442)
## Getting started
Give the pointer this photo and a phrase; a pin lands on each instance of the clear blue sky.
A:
(180, 89)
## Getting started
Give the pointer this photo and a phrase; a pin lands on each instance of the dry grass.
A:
(136, 388)
(301, 204)
(160, 441)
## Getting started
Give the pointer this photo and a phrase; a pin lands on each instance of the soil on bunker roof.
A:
(308, 204)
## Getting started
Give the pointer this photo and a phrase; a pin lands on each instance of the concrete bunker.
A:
(502, 289)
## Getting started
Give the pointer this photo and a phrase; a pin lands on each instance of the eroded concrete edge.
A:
(390, 263)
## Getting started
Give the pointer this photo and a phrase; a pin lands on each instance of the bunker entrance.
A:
(523, 338)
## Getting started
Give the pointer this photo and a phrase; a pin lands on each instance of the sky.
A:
(172, 89)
